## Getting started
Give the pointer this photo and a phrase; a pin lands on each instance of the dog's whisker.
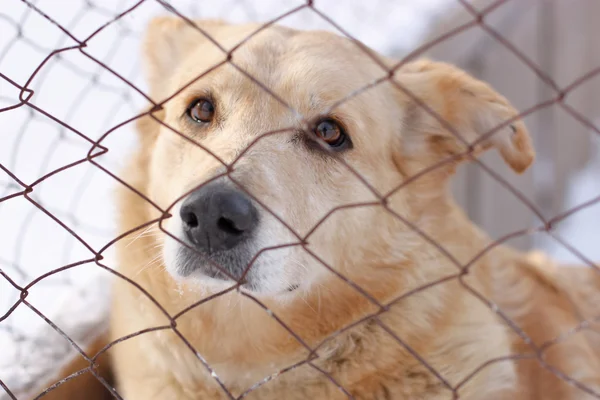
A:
(149, 264)
(148, 229)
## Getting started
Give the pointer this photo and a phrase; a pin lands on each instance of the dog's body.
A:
(438, 328)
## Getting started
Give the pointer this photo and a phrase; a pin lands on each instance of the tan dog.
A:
(447, 334)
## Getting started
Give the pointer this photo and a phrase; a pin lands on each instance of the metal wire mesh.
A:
(76, 56)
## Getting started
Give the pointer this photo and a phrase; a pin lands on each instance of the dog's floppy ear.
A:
(471, 107)
(167, 42)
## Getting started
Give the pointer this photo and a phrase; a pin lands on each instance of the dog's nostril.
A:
(229, 226)
(190, 219)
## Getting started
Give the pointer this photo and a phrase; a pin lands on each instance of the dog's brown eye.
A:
(331, 133)
(202, 111)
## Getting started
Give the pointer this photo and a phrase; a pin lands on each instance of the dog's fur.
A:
(454, 326)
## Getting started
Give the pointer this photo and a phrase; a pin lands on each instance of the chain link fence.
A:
(71, 92)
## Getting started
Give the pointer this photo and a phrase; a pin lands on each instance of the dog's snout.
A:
(216, 218)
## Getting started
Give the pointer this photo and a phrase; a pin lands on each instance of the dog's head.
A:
(286, 157)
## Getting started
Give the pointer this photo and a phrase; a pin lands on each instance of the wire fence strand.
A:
(99, 147)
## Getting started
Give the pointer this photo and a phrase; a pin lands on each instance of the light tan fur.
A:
(375, 247)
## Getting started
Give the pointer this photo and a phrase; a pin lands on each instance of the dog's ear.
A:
(167, 42)
(470, 109)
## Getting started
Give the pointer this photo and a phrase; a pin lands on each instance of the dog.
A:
(291, 232)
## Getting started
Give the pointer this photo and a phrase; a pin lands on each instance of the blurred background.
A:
(76, 98)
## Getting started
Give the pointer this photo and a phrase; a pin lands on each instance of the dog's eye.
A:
(331, 133)
(201, 110)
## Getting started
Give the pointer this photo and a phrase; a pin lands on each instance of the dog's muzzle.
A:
(218, 222)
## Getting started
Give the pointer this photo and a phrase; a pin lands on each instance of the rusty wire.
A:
(21, 189)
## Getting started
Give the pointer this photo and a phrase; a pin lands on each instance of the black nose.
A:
(216, 217)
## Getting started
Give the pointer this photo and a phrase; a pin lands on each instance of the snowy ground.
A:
(76, 90)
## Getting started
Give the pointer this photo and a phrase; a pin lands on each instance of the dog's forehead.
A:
(282, 60)
(308, 57)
